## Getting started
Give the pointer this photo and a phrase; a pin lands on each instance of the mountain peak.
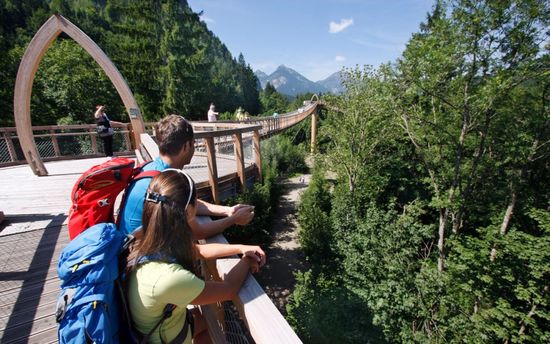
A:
(289, 82)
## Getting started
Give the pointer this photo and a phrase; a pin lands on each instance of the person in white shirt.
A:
(212, 114)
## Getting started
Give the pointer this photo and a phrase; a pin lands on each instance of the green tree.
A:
(272, 101)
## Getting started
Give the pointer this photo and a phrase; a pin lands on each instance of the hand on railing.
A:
(257, 255)
(242, 214)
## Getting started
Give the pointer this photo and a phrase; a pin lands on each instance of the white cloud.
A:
(339, 58)
(341, 26)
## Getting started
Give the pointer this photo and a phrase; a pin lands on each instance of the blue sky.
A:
(315, 38)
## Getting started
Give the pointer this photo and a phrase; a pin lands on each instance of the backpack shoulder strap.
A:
(145, 174)
(166, 313)
(180, 338)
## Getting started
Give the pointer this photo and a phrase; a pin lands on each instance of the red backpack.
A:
(94, 194)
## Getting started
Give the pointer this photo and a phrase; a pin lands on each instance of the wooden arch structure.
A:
(314, 96)
(25, 78)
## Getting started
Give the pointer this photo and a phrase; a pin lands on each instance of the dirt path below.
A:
(284, 256)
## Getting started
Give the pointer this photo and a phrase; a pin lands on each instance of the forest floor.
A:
(284, 255)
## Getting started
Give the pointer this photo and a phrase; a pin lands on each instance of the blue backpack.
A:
(88, 308)
(92, 306)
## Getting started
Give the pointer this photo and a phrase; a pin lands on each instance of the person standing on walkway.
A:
(105, 129)
(212, 114)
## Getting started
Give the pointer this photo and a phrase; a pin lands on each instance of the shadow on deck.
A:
(29, 284)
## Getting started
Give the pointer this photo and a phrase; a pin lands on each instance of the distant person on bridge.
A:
(176, 144)
(104, 129)
(170, 204)
(212, 114)
(240, 114)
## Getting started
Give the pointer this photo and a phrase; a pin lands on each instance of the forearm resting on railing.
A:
(212, 251)
(227, 289)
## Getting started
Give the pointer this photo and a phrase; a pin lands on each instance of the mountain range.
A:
(291, 83)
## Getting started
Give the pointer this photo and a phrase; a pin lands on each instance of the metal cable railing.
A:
(62, 142)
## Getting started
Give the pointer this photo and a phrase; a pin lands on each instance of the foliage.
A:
(265, 198)
(169, 58)
(322, 310)
(272, 101)
(438, 218)
(281, 154)
(315, 232)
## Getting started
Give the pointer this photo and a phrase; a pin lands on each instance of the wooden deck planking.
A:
(30, 202)
(32, 237)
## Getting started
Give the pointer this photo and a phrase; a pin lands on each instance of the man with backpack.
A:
(174, 136)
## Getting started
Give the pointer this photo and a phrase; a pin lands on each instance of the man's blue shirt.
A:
(130, 219)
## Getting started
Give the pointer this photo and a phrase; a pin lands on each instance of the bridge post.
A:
(11, 148)
(258, 155)
(239, 158)
(212, 169)
(313, 131)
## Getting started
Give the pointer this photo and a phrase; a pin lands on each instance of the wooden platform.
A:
(29, 285)
(30, 202)
(32, 236)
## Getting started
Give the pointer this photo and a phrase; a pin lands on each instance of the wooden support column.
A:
(55, 144)
(239, 158)
(314, 131)
(129, 138)
(258, 154)
(212, 169)
(11, 148)
(93, 137)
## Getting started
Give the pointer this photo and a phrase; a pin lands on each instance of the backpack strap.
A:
(137, 176)
(168, 309)
(146, 174)
(180, 338)
(166, 313)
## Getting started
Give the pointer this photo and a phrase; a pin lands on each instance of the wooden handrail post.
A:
(258, 154)
(239, 158)
(212, 169)
(55, 143)
(11, 148)
(93, 137)
(313, 131)
(130, 138)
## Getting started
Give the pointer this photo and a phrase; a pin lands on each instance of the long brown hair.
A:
(166, 232)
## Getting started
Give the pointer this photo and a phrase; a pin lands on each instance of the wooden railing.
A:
(208, 138)
(262, 319)
(274, 124)
(62, 142)
(65, 142)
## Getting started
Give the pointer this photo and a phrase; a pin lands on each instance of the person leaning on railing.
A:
(105, 129)
(176, 143)
(163, 271)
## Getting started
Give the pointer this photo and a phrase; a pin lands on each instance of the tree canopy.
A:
(171, 61)
(437, 223)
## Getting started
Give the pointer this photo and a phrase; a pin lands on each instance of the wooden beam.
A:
(55, 144)
(11, 148)
(263, 319)
(212, 169)
(257, 154)
(239, 159)
(34, 53)
(150, 145)
(93, 137)
(313, 147)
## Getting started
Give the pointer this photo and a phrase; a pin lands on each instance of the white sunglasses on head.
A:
(155, 197)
